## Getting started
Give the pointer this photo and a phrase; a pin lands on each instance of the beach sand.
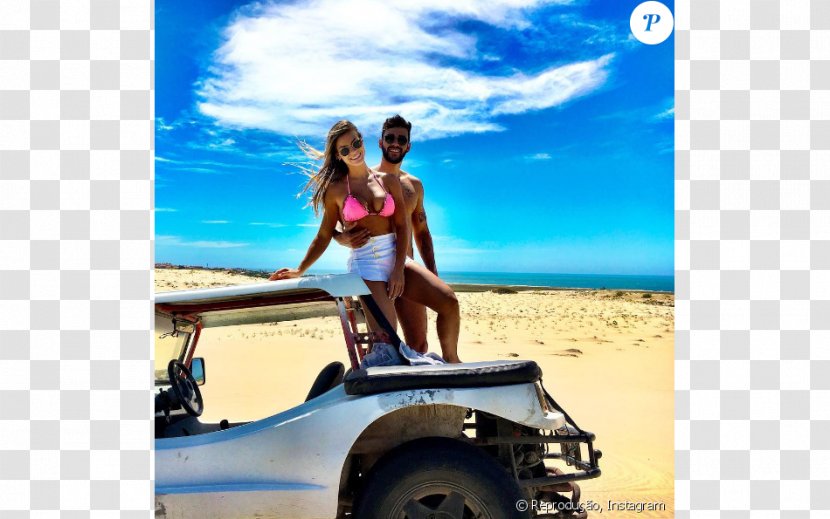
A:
(607, 358)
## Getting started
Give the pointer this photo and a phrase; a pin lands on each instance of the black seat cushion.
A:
(329, 377)
(473, 374)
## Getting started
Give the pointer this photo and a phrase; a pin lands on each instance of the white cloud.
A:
(215, 222)
(177, 241)
(213, 166)
(270, 225)
(665, 114)
(538, 156)
(161, 125)
(295, 69)
(651, 113)
(225, 143)
(165, 210)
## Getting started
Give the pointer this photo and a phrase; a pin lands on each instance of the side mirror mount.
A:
(197, 369)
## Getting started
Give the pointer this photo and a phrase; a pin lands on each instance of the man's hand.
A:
(354, 239)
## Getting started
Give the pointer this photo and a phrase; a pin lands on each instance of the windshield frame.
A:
(177, 330)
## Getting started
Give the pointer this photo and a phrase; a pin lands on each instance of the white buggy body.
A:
(317, 460)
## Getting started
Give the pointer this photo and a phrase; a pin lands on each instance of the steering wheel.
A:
(185, 388)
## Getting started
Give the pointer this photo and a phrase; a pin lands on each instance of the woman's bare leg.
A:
(424, 287)
(381, 297)
(413, 321)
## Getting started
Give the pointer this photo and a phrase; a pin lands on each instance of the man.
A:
(422, 287)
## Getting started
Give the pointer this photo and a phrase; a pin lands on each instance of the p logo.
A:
(651, 18)
(651, 23)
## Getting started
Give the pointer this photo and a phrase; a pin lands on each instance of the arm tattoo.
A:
(421, 216)
(428, 256)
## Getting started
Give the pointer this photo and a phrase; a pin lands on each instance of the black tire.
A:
(428, 477)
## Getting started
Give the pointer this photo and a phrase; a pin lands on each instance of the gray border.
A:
(76, 134)
(751, 256)
(751, 199)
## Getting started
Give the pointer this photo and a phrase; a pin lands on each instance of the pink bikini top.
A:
(353, 210)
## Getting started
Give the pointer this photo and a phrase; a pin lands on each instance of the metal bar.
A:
(584, 465)
(351, 309)
(351, 345)
(574, 438)
(500, 425)
(194, 340)
(195, 308)
(564, 478)
(592, 457)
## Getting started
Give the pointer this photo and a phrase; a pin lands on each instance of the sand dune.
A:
(607, 358)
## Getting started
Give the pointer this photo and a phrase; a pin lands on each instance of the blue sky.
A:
(543, 131)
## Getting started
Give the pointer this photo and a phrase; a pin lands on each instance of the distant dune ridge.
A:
(607, 357)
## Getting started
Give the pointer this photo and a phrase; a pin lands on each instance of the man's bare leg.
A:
(413, 319)
(424, 287)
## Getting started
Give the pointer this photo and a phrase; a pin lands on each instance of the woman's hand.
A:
(395, 284)
(285, 274)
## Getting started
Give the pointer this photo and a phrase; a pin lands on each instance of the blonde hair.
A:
(331, 170)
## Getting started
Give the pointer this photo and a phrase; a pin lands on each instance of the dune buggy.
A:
(474, 440)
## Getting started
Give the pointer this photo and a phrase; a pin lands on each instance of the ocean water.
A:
(594, 281)
(598, 281)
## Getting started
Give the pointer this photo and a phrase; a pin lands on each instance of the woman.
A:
(350, 191)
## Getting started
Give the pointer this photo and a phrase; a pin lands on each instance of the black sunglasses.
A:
(356, 144)
(389, 139)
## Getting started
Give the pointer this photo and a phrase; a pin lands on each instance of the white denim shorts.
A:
(375, 260)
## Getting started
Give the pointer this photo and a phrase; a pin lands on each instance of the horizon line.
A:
(166, 264)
